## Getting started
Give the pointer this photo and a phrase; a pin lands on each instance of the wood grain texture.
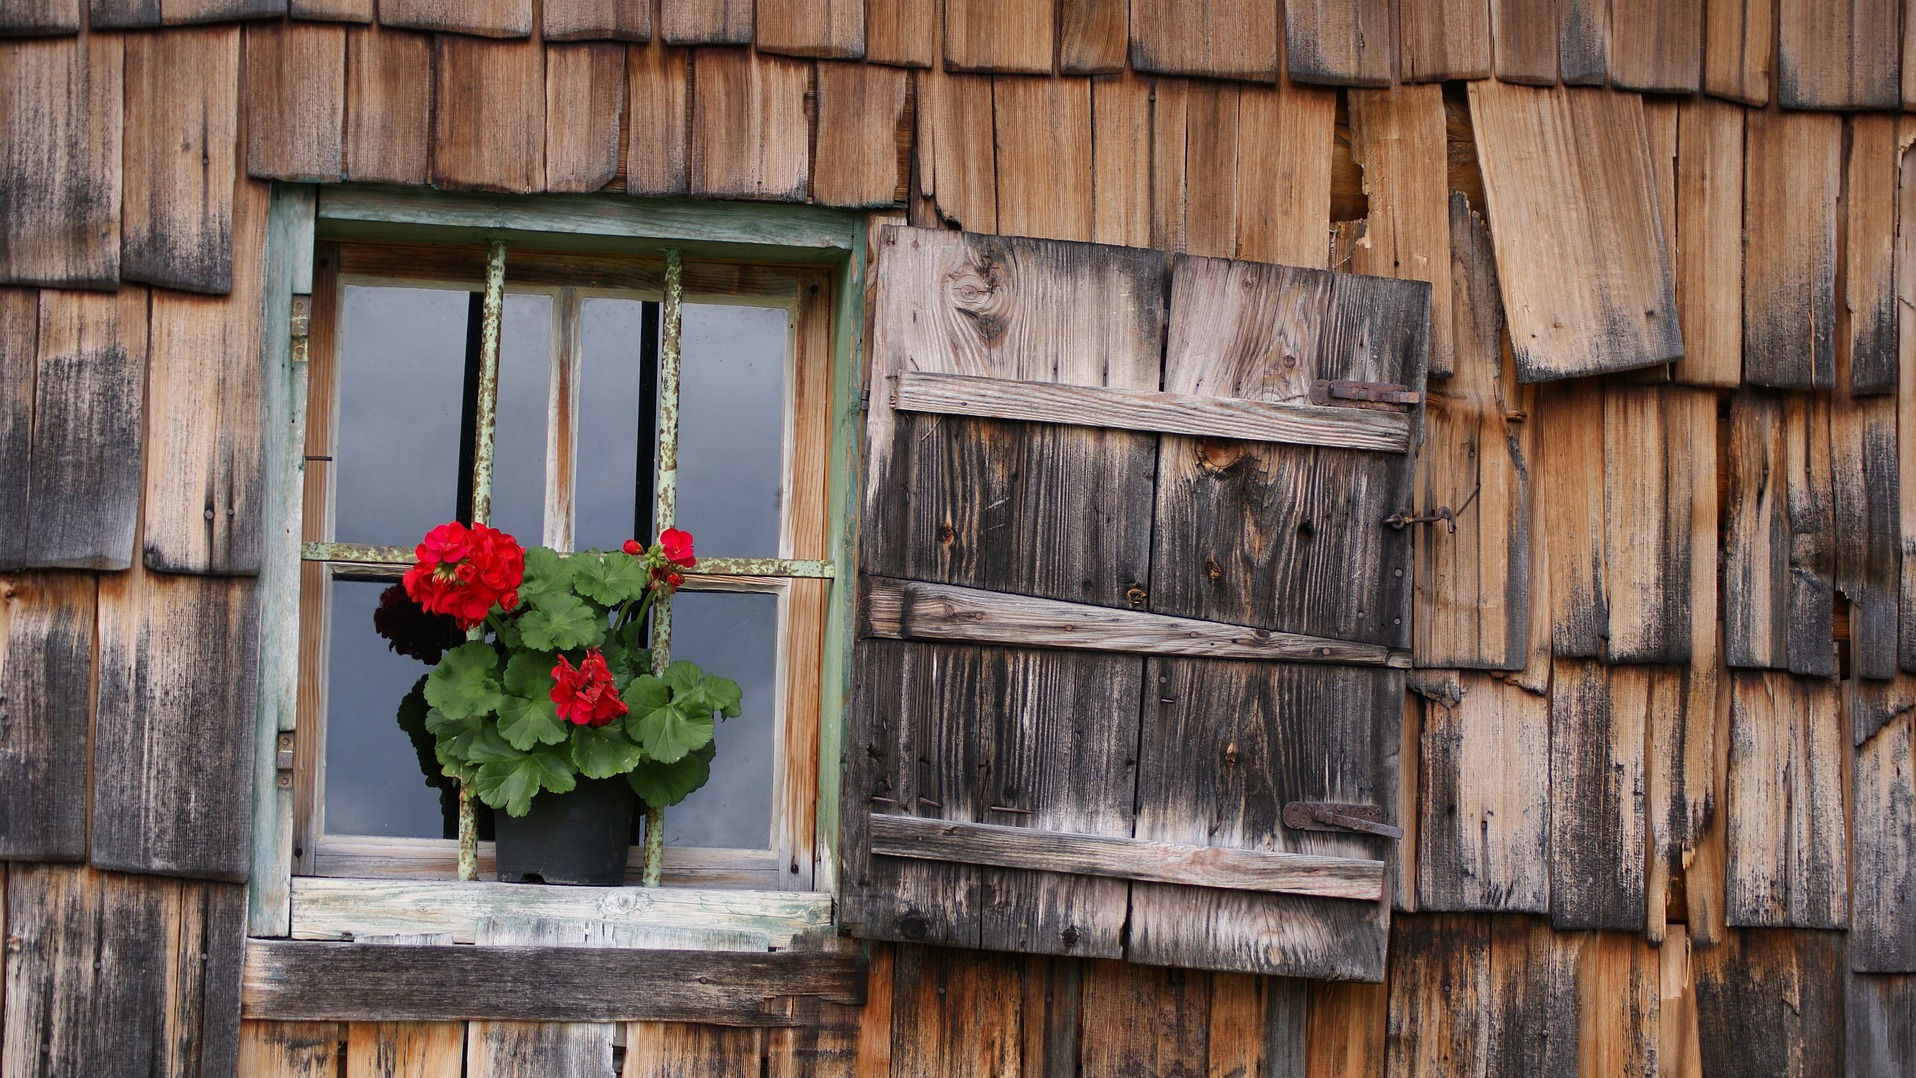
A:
(1787, 844)
(586, 85)
(1397, 139)
(658, 82)
(1810, 490)
(30, 18)
(360, 11)
(1709, 248)
(122, 14)
(294, 84)
(957, 159)
(1121, 161)
(489, 117)
(1340, 43)
(595, 20)
(1656, 47)
(1440, 995)
(19, 360)
(1524, 35)
(1844, 55)
(956, 1013)
(1880, 1012)
(864, 144)
(485, 18)
(1756, 549)
(1043, 138)
(1092, 36)
(290, 1049)
(1533, 1005)
(1156, 1020)
(156, 962)
(1237, 39)
(203, 414)
(46, 645)
(902, 33)
(1597, 821)
(1739, 49)
(705, 22)
(1000, 36)
(1470, 608)
(1652, 440)
(686, 1050)
(1483, 840)
(1905, 273)
(1586, 281)
(368, 982)
(388, 106)
(749, 136)
(513, 1049)
(1771, 1003)
(1869, 255)
(61, 109)
(1569, 494)
(1865, 533)
(179, 159)
(173, 733)
(1655, 699)
(175, 12)
(1443, 39)
(1793, 175)
(1882, 864)
(832, 28)
(404, 1049)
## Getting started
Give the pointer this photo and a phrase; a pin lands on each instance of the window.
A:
(605, 427)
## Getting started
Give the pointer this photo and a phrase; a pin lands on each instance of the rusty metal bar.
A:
(665, 512)
(774, 567)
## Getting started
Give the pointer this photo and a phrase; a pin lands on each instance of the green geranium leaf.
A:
(529, 673)
(546, 576)
(681, 676)
(489, 746)
(659, 785)
(527, 722)
(562, 622)
(723, 694)
(609, 579)
(645, 694)
(511, 784)
(669, 732)
(600, 752)
(465, 683)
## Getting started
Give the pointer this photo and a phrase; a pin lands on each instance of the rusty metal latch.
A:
(283, 761)
(1331, 816)
(1326, 390)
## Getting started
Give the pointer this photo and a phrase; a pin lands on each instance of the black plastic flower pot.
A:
(580, 837)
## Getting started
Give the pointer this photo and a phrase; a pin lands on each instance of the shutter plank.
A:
(1596, 798)
(46, 651)
(863, 141)
(1000, 36)
(705, 22)
(1869, 254)
(61, 105)
(1881, 1013)
(1043, 139)
(957, 163)
(595, 20)
(485, 18)
(34, 17)
(658, 81)
(1656, 47)
(177, 229)
(1843, 55)
(19, 359)
(1226, 39)
(1787, 847)
(1792, 181)
(1756, 547)
(1739, 43)
(584, 85)
(82, 482)
(834, 28)
(203, 415)
(900, 32)
(1397, 139)
(388, 106)
(1483, 840)
(1709, 249)
(294, 86)
(749, 136)
(1882, 864)
(1652, 439)
(1443, 39)
(1339, 42)
(1865, 535)
(489, 117)
(1771, 1003)
(1092, 36)
(1570, 494)
(1586, 280)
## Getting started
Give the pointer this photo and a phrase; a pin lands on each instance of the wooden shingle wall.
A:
(1660, 744)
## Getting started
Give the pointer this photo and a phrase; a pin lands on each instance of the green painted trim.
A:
(289, 271)
(773, 232)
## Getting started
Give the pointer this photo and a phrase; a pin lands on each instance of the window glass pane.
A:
(732, 427)
(612, 425)
(376, 779)
(402, 362)
(519, 439)
(733, 634)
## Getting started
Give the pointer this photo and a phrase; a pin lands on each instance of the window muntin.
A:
(563, 416)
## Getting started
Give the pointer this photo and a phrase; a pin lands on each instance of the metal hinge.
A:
(1326, 390)
(302, 326)
(1331, 816)
(283, 761)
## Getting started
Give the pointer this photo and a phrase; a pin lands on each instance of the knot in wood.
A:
(978, 291)
(1213, 570)
(1134, 595)
(1216, 457)
(946, 534)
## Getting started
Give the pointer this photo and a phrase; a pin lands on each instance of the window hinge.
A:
(865, 397)
(1327, 816)
(1326, 390)
(302, 325)
(283, 761)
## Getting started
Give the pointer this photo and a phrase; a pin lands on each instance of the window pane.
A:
(732, 427)
(402, 363)
(376, 779)
(612, 426)
(735, 635)
(519, 439)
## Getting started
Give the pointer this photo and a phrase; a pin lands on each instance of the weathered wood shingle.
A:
(61, 103)
(180, 158)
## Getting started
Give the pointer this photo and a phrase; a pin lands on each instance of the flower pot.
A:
(580, 837)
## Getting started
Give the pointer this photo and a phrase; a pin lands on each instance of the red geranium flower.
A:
(463, 572)
(585, 693)
(632, 547)
(678, 547)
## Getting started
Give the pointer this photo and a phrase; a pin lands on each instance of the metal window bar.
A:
(665, 515)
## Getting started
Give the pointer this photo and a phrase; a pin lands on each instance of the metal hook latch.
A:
(1331, 816)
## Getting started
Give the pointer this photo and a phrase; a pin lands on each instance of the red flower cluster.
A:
(463, 572)
(585, 693)
(678, 547)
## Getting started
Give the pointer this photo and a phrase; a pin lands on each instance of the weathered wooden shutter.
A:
(1128, 593)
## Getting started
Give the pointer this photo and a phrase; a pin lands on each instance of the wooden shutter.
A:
(1129, 588)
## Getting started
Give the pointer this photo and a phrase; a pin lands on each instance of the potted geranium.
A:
(550, 711)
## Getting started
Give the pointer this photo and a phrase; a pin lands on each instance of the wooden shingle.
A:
(705, 22)
(388, 106)
(1443, 39)
(585, 89)
(1883, 851)
(122, 14)
(489, 115)
(901, 32)
(1771, 1003)
(594, 20)
(1708, 260)
(1000, 36)
(1569, 494)
(61, 103)
(1869, 254)
(36, 17)
(1838, 54)
(175, 12)
(1739, 49)
(749, 137)
(359, 11)
(486, 18)
(658, 81)
(957, 162)
(1219, 38)
(1597, 822)
(1484, 836)
(828, 28)
(180, 158)
(46, 650)
(1792, 179)
(1092, 36)
(19, 356)
(1788, 851)
(1339, 42)
(293, 90)
(1043, 135)
(862, 139)
(1865, 528)
(1656, 46)
(1659, 444)
(1121, 161)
